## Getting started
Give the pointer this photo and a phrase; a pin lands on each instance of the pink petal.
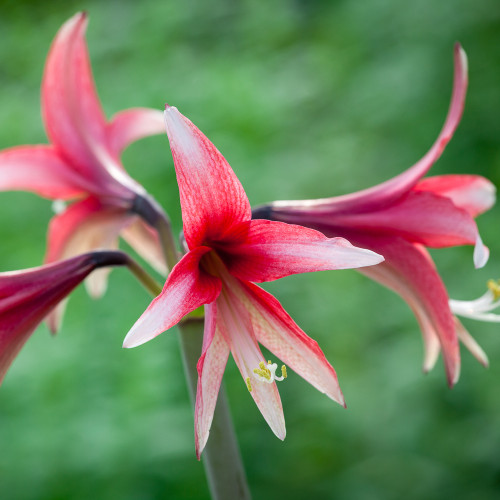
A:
(72, 112)
(262, 250)
(420, 216)
(85, 226)
(409, 271)
(389, 191)
(27, 296)
(471, 344)
(145, 242)
(210, 371)
(473, 193)
(275, 329)
(212, 198)
(235, 323)
(133, 124)
(187, 287)
(39, 169)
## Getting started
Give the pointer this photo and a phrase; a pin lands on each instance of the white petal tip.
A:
(481, 253)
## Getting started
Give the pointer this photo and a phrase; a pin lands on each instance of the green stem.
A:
(221, 457)
(147, 281)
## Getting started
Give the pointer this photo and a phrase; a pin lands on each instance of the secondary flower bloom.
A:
(83, 160)
(227, 253)
(27, 296)
(402, 216)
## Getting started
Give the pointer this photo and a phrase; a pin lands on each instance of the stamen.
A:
(494, 288)
(268, 373)
(249, 385)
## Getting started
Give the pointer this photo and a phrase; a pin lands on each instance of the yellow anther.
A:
(249, 385)
(269, 362)
(494, 287)
(283, 371)
(263, 373)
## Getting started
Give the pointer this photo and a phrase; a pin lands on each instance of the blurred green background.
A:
(305, 99)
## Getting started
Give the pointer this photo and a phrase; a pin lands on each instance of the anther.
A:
(268, 373)
(494, 288)
(249, 385)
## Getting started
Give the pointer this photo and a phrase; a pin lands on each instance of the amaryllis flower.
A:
(227, 253)
(82, 162)
(27, 296)
(402, 216)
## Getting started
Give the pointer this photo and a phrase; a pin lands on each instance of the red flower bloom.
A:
(83, 160)
(402, 216)
(227, 252)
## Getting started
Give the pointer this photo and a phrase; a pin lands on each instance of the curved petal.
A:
(146, 243)
(235, 323)
(187, 287)
(421, 217)
(266, 250)
(275, 329)
(389, 191)
(473, 193)
(210, 369)
(133, 124)
(409, 271)
(212, 197)
(470, 343)
(72, 113)
(39, 169)
(85, 226)
(27, 296)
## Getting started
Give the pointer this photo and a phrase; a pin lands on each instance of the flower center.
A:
(266, 373)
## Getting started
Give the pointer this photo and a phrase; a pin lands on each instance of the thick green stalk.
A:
(221, 457)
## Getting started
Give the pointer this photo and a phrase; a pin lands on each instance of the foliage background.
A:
(305, 99)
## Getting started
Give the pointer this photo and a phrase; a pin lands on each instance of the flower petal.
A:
(389, 191)
(133, 124)
(27, 296)
(235, 324)
(264, 250)
(187, 287)
(72, 113)
(84, 226)
(275, 329)
(146, 243)
(39, 169)
(409, 271)
(212, 198)
(420, 216)
(210, 368)
(471, 344)
(473, 193)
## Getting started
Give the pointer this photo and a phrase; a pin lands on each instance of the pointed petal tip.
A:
(481, 253)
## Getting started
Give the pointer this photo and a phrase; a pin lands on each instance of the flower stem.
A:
(147, 281)
(221, 457)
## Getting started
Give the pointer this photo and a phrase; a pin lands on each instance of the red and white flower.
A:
(402, 216)
(228, 252)
(82, 161)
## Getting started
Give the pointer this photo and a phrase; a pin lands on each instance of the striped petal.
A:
(212, 197)
(187, 287)
(210, 368)
(262, 250)
(275, 329)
